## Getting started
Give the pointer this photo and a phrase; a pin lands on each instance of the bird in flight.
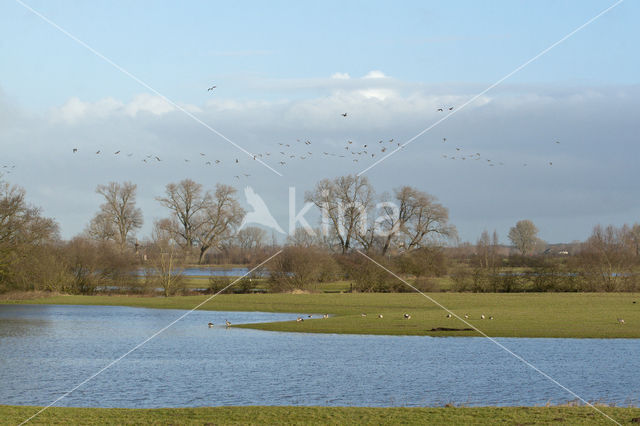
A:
(211, 88)
(450, 108)
(440, 109)
(116, 153)
(344, 114)
(236, 160)
(97, 152)
(75, 150)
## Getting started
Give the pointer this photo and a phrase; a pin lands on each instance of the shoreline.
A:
(531, 315)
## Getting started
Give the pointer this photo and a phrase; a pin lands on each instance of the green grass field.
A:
(322, 415)
(579, 315)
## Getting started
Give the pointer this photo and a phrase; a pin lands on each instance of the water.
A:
(215, 272)
(45, 350)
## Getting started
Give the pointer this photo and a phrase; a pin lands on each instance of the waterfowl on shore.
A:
(299, 319)
(227, 323)
(325, 316)
(407, 316)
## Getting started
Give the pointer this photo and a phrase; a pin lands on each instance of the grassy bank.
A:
(322, 415)
(579, 315)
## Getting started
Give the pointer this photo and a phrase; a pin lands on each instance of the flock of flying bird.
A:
(7, 168)
(304, 149)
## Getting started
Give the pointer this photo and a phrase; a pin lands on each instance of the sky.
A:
(556, 141)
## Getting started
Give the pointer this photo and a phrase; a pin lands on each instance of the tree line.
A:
(407, 230)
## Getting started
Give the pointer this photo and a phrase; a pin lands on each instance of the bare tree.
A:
(187, 201)
(344, 202)
(524, 236)
(608, 260)
(487, 249)
(414, 219)
(220, 219)
(251, 237)
(165, 265)
(26, 240)
(118, 218)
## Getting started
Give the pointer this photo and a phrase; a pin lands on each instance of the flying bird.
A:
(344, 114)
(75, 150)
(116, 153)
(211, 88)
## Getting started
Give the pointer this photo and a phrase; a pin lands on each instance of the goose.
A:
(466, 316)
(620, 321)
(363, 315)
(491, 317)
(310, 316)
(227, 323)
(325, 316)
(380, 316)
(210, 325)
(407, 316)
(299, 319)
(448, 315)
(482, 316)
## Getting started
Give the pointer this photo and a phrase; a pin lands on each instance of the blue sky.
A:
(273, 64)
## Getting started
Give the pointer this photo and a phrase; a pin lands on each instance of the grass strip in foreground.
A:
(321, 415)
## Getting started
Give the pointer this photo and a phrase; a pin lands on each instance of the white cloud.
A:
(515, 124)
(341, 76)
(375, 74)
(148, 103)
(76, 110)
